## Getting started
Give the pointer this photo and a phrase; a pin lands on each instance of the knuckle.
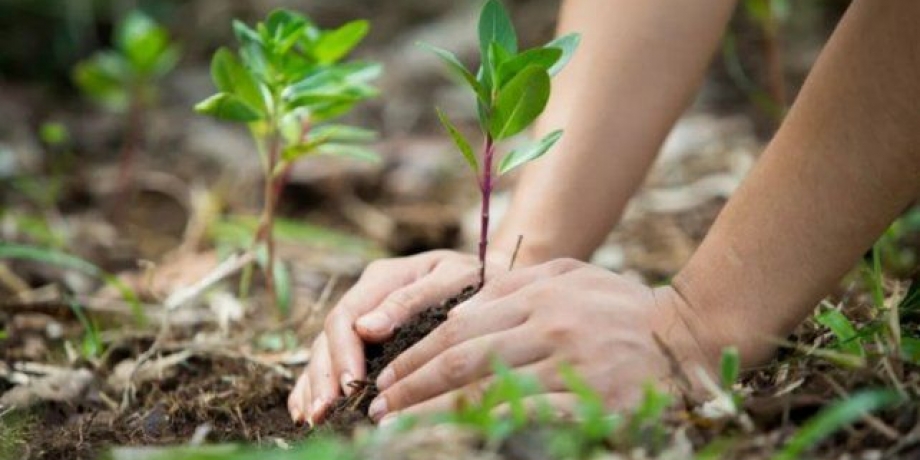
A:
(402, 366)
(401, 301)
(559, 331)
(454, 366)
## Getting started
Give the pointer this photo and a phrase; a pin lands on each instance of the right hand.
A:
(388, 293)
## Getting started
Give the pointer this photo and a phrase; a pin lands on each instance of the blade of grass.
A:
(67, 261)
(834, 417)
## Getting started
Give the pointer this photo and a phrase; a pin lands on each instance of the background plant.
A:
(124, 79)
(286, 82)
(512, 89)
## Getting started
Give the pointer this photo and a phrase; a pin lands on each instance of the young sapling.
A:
(512, 89)
(286, 82)
(124, 79)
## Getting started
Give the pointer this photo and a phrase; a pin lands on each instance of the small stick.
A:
(514, 255)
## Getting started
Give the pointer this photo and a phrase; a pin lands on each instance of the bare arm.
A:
(638, 66)
(841, 168)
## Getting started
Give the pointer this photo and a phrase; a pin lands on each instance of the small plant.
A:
(286, 82)
(124, 79)
(512, 89)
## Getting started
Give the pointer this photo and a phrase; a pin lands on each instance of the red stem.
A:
(133, 137)
(486, 189)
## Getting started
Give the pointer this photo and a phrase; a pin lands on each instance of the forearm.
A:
(840, 169)
(638, 65)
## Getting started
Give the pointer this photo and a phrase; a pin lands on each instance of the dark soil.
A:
(349, 412)
(236, 399)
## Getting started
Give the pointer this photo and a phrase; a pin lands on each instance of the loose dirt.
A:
(349, 412)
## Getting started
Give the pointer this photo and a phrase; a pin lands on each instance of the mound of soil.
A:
(236, 399)
(349, 412)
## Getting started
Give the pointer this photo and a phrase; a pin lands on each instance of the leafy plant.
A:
(847, 337)
(286, 82)
(124, 79)
(512, 89)
(509, 389)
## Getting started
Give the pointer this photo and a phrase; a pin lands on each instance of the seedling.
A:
(124, 79)
(511, 88)
(286, 82)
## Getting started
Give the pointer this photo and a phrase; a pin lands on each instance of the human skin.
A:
(631, 81)
(840, 168)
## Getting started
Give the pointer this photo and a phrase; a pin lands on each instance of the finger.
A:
(510, 283)
(460, 366)
(456, 330)
(297, 400)
(324, 387)
(545, 371)
(404, 303)
(377, 281)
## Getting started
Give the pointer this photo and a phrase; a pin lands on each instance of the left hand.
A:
(539, 318)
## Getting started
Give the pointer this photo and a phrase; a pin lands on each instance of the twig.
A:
(225, 269)
(517, 249)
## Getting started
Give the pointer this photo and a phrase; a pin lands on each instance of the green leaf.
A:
(283, 288)
(461, 141)
(283, 29)
(540, 57)
(730, 367)
(522, 156)
(495, 25)
(54, 133)
(342, 133)
(231, 77)
(910, 349)
(567, 44)
(458, 69)
(245, 34)
(142, 41)
(333, 46)
(353, 151)
(834, 417)
(345, 82)
(104, 79)
(844, 331)
(228, 107)
(520, 102)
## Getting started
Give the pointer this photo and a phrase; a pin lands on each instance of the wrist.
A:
(721, 321)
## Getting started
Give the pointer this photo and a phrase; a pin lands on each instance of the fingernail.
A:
(377, 322)
(345, 381)
(386, 379)
(378, 408)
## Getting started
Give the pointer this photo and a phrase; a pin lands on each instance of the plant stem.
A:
(485, 187)
(133, 138)
(274, 184)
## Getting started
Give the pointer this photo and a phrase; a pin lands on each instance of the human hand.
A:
(388, 293)
(537, 319)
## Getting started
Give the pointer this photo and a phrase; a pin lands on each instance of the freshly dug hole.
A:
(349, 412)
